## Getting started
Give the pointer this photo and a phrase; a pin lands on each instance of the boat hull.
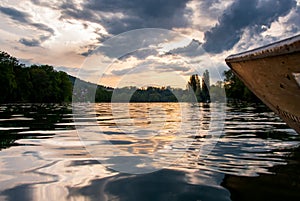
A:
(272, 73)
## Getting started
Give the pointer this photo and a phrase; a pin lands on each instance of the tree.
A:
(8, 83)
(194, 84)
(40, 80)
(205, 87)
(201, 91)
(102, 95)
(65, 87)
(236, 89)
(24, 89)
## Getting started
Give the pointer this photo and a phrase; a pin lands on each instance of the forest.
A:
(43, 84)
(19, 83)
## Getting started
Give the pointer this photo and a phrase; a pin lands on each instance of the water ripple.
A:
(41, 149)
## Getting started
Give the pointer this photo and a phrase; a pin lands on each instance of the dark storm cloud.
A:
(136, 13)
(148, 8)
(207, 7)
(24, 19)
(71, 10)
(209, 4)
(252, 14)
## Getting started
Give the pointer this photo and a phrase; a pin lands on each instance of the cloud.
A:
(148, 8)
(69, 70)
(172, 68)
(294, 21)
(88, 49)
(42, 3)
(140, 54)
(26, 62)
(255, 15)
(141, 42)
(34, 42)
(118, 16)
(73, 11)
(209, 4)
(153, 66)
(15, 14)
(193, 49)
(212, 8)
(123, 71)
(30, 42)
(24, 18)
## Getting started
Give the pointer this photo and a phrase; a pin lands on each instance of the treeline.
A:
(90, 93)
(41, 83)
(19, 83)
(149, 94)
(198, 89)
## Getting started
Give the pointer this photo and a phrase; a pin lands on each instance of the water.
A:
(43, 156)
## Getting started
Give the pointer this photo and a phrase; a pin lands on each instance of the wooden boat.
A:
(272, 73)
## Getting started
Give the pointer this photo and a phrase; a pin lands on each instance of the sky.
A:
(141, 42)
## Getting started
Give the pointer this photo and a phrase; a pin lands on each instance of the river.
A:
(147, 151)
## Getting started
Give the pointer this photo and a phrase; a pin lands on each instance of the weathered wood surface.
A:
(271, 73)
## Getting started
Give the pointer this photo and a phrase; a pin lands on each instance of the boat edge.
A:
(286, 46)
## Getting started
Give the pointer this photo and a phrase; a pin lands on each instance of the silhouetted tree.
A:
(201, 91)
(194, 84)
(236, 89)
(205, 87)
